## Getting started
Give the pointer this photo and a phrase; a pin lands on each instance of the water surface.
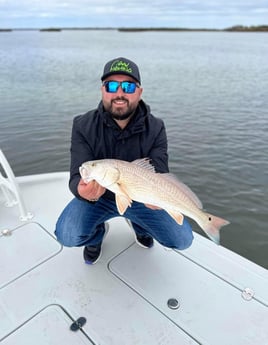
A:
(210, 88)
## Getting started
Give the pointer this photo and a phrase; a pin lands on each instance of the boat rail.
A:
(10, 189)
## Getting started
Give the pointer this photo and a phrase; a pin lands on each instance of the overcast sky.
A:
(128, 13)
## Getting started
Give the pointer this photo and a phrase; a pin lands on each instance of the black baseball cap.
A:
(121, 65)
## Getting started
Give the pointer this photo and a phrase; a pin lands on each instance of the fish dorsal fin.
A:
(144, 163)
(191, 195)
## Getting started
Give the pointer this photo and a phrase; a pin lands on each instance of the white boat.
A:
(203, 295)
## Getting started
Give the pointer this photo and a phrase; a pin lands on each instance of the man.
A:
(122, 127)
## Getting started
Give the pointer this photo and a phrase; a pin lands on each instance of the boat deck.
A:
(203, 295)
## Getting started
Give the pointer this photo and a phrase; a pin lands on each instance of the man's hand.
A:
(91, 191)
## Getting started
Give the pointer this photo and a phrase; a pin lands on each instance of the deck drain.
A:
(173, 303)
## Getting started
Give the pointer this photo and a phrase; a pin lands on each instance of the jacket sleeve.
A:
(158, 152)
(80, 152)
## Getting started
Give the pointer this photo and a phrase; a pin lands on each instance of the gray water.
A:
(210, 88)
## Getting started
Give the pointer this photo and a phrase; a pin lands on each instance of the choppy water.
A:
(210, 88)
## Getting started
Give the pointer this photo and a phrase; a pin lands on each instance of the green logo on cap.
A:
(122, 66)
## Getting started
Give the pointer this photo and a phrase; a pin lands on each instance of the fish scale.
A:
(166, 190)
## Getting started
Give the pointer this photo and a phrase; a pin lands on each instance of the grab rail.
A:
(11, 190)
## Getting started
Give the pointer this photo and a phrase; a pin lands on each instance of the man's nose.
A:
(120, 91)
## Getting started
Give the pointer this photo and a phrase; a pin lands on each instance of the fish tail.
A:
(212, 227)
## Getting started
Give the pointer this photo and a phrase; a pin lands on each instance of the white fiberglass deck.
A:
(222, 298)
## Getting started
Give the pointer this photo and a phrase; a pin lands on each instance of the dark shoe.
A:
(144, 241)
(92, 254)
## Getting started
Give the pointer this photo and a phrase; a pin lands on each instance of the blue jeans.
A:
(82, 224)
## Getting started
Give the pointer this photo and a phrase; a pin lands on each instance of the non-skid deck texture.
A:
(44, 288)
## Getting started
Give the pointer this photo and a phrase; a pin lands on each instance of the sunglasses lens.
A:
(112, 86)
(128, 87)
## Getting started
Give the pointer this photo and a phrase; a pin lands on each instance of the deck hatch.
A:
(208, 306)
(50, 326)
(23, 249)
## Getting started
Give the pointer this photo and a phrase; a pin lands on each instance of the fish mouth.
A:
(84, 174)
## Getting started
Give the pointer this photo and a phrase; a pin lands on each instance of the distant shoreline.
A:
(237, 28)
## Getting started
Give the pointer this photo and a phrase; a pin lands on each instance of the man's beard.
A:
(120, 115)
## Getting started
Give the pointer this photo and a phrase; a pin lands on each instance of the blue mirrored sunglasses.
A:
(127, 86)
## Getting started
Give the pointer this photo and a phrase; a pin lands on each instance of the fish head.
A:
(102, 171)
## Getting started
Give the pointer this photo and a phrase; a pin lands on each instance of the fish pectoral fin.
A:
(123, 201)
(177, 216)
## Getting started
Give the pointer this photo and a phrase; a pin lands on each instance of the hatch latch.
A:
(78, 324)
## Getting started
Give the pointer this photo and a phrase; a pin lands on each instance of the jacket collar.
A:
(136, 124)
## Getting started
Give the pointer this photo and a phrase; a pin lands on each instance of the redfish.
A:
(138, 181)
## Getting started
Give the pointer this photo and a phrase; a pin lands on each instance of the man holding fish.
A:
(105, 185)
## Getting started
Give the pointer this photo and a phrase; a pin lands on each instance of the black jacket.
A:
(95, 135)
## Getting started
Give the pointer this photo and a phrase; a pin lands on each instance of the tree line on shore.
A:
(236, 28)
